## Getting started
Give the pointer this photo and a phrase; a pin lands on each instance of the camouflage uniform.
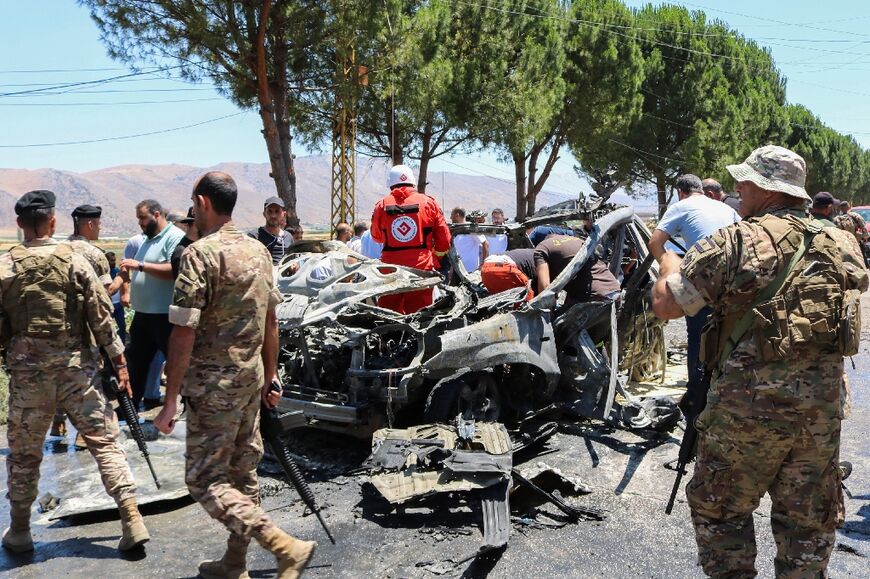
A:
(770, 425)
(224, 290)
(854, 224)
(51, 371)
(97, 258)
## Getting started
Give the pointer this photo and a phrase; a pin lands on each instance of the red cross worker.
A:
(412, 228)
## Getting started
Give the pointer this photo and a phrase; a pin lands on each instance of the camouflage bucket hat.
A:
(774, 168)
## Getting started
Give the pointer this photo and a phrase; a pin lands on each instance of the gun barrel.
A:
(132, 419)
(670, 506)
(291, 469)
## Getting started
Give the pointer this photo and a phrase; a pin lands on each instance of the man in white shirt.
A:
(471, 248)
(497, 243)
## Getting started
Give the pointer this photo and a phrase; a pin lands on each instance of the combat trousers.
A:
(223, 450)
(33, 397)
(739, 460)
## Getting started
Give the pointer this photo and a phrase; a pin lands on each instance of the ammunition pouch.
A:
(849, 328)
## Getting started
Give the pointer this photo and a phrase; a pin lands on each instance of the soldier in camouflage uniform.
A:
(86, 228)
(225, 337)
(772, 419)
(49, 300)
(850, 221)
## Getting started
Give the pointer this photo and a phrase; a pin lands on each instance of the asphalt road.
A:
(625, 472)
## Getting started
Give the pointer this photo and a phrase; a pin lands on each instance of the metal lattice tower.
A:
(344, 137)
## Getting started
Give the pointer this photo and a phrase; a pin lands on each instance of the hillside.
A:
(118, 189)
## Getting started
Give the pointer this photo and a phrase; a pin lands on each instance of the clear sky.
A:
(823, 48)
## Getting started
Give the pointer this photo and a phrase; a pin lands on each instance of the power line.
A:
(783, 22)
(58, 70)
(84, 83)
(119, 138)
(110, 103)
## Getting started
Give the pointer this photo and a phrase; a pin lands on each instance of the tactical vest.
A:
(404, 225)
(42, 301)
(813, 312)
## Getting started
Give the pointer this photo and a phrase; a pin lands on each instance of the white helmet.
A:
(401, 175)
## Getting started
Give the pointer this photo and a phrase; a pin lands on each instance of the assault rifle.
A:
(271, 430)
(129, 414)
(695, 404)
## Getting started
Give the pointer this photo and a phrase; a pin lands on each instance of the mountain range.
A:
(118, 189)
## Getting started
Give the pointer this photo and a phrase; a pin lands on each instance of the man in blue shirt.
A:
(151, 286)
(692, 218)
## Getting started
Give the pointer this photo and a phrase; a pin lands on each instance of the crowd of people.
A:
(204, 298)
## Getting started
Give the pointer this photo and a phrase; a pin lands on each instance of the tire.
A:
(442, 404)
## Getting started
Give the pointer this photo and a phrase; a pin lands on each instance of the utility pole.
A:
(349, 79)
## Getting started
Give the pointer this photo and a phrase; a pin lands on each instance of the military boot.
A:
(292, 554)
(17, 537)
(133, 531)
(232, 565)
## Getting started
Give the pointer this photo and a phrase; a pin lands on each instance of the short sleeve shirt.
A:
(498, 243)
(224, 290)
(278, 246)
(468, 247)
(148, 293)
(593, 281)
(696, 217)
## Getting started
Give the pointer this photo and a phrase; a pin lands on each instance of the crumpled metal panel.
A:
(73, 476)
(517, 337)
(351, 279)
(470, 470)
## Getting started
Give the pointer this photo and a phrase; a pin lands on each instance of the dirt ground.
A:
(624, 471)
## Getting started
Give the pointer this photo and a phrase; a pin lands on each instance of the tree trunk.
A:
(425, 157)
(536, 184)
(661, 192)
(395, 142)
(520, 174)
(280, 170)
(281, 103)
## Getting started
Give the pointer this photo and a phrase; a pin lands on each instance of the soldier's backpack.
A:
(809, 308)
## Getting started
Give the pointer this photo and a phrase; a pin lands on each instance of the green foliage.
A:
(835, 162)
(604, 74)
(650, 93)
(709, 96)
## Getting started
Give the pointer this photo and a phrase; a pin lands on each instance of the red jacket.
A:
(411, 226)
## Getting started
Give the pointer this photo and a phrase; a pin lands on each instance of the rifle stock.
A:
(271, 430)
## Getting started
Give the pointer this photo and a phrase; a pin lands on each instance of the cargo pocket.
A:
(770, 328)
(849, 328)
(708, 490)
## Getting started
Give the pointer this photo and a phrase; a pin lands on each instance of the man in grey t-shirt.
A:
(692, 218)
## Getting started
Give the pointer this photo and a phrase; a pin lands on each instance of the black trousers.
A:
(148, 334)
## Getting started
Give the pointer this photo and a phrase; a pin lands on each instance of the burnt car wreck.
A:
(350, 366)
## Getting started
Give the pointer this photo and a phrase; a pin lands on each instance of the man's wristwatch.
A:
(141, 266)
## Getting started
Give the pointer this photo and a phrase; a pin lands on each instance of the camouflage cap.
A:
(775, 169)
